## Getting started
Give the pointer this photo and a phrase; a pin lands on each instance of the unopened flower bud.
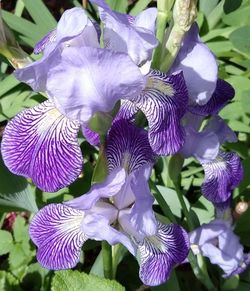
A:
(240, 208)
(10, 48)
(184, 13)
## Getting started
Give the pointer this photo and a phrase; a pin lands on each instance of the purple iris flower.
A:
(128, 34)
(164, 102)
(118, 210)
(198, 65)
(217, 241)
(41, 142)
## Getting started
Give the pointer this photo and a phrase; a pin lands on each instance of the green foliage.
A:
(6, 242)
(75, 281)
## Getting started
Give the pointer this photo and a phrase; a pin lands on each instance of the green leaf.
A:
(139, 6)
(41, 15)
(6, 242)
(74, 281)
(239, 17)
(8, 282)
(171, 198)
(231, 5)
(245, 100)
(20, 229)
(7, 84)
(15, 192)
(242, 228)
(23, 26)
(239, 126)
(204, 210)
(117, 5)
(230, 283)
(207, 6)
(18, 256)
(240, 39)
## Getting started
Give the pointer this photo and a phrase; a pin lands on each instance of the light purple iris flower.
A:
(223, 170)
(118, 210)
(80, 79)
(198, 65)
(164, 102)
(217, 241)
(128, 34)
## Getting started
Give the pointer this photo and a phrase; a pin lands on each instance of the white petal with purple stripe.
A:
(41, 143)
(56, 231)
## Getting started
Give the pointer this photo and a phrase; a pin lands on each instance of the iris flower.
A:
(217, 241)
(118, 210)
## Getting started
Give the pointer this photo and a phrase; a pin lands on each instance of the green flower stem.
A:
(197, 262)
(163, 204)
(107, 260)
(184, 206)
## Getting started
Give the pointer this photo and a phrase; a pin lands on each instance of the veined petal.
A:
(198, 65)
(223, 93)
(110, 187)
(92, 137)
(128, 147)
(164, 102)
(132, 35)
(56, 231)
(222, 175)
(49, 38)
(127, 111)
(158, 254)
(41, 143)
(91, 86)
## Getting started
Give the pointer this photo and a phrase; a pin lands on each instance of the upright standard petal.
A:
(164, 102)
(222, 175)
(56, 231)
(98, 78)
(128, 147)
(158, 254)
(198, 65)
(132, 35)
(223, 93)
(41, 143)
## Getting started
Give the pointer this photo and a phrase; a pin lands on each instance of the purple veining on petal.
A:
(127, 111)
(46, 40)
(221, 176)
(223, 93)
(56, 231)
(158, 254)
(241, 267)
(164, 102)
(92, 137)
(128, 147)
(41, 143)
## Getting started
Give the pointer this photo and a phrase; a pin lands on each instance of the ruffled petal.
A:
(91, 86)
(127, 111)
(128, 147)
(97, 227)
(132, 35)
(243, 265)
(164, 102)
(110, 187)
(222, 175)
(41, 143)
(73, 29)
(223, 93)
(158, 254)
(139, 221)
(56, 231)
(198, 65)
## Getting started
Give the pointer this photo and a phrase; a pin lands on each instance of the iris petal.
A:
(40, 143)
(128, 147)
(56, 231)
(164, 102)
(222, 175)
(160, 253)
